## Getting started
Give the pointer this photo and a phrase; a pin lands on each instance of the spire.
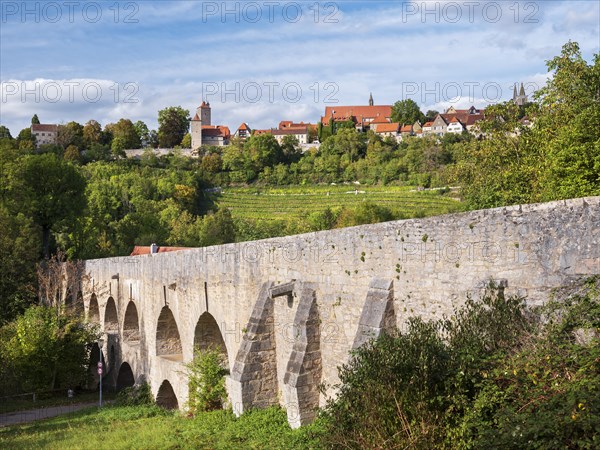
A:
(515, 92)
(522, 91)
(371, 99)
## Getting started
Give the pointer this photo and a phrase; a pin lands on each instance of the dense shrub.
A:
(495, 375)
(206, 381)
(138, 395)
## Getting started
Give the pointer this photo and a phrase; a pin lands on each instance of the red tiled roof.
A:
(428, 124)
(380, 119)
(196, 118)
(44, 127)
(290, 131)
(388, 127)
(243, 126)
(215, 131)
(406, 129)
(466, 118)
(144, 250)
(289, 124)
(363, 112)
(257, 132)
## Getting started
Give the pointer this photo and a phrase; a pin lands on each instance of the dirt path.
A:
(31, 415)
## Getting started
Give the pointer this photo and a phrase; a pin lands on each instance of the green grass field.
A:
(295, 202)
(150, 427)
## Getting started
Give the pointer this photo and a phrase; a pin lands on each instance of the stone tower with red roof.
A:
(201, 118)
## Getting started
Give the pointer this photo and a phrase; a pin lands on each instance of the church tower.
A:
(521, 98)
(371, 99)
(201, 118)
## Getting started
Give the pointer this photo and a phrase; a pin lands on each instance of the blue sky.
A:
(262, 62)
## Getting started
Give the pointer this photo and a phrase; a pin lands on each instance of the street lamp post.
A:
(100, 368)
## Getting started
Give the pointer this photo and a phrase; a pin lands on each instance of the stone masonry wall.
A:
(350, 283)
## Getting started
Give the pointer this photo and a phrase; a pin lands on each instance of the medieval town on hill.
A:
(377, 118)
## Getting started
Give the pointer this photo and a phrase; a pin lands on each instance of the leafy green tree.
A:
(98, 152)
(290, 148)
(5, 133)
(186, 142)
(92, 134)
(70, 134)
(364, 213)
(26, 141)
(118, 147)
(153, 139)
(127, 133)
(263, 151)
(406, 112)
(556, 157)
(143, 133)
(312, 133)
(149, 158)
(346, 142)
(206, 381)
(567, 127)
(19, 251)
(35, 120)
(46, 350)
(430, 115)
(72, 154)
(218, 228)
(50, 189)
(173, 124)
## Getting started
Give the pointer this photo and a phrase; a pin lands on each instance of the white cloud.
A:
(171, 52)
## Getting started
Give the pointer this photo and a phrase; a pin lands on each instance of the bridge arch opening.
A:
(112, 358)
(111, 322)
(131, 325)
(94, 310)
(166, 397)
(125, 378)
(168, 342)
(208, 336)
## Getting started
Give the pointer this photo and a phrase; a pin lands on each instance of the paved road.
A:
(32, 415)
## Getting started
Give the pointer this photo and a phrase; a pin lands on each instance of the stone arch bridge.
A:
(285, 312)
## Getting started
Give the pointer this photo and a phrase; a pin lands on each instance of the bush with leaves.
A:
(545, 395)
(45, 350)
(412, 389)
(138, 395)
(206, 381)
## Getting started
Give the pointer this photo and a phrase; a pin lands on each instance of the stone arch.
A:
(166, 397)
(94, 310)
(125, 378)
(111, 321)
(131, 325)
(208, 335)
(168, 342)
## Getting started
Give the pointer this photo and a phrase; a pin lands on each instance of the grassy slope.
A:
(296, 201)
(152, 427)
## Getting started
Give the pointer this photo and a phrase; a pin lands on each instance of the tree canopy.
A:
(173, 124)
(406, 112)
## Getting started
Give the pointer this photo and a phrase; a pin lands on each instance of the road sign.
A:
(99, 370)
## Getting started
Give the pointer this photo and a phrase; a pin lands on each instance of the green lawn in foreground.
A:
(294, 202)
(150, 427)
